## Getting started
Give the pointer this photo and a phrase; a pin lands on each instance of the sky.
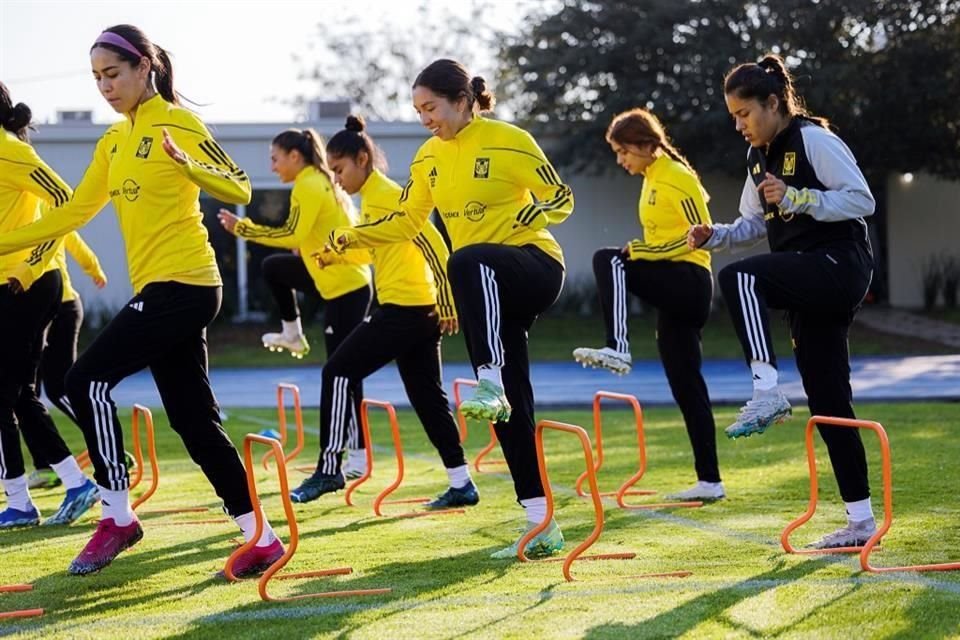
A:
(233, 56)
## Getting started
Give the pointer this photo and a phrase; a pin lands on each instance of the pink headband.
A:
(109, 37)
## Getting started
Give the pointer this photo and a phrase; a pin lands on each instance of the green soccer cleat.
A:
(43, 479)
(488, 403)
(546, 543)
(760, 413)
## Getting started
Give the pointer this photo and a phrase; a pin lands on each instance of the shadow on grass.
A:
(712, 605)
(412, 584)
(57, 593)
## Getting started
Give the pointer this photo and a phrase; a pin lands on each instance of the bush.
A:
(931, 277)
(951, 281)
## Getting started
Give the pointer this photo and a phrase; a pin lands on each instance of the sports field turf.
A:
(445, 586)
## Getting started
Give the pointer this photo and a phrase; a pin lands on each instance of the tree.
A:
(373, 65)
(884, 72)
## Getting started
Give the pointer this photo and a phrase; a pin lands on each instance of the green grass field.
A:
(445, 586)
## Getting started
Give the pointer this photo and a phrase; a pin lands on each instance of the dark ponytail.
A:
(310, 145)
(161, 68)
(163, 77)
(765, 78)
(484, 96)
(15, 118)
(352, 139)
(450, 79)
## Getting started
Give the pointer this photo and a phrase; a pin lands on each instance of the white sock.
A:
(536, 509)
(18, 495)
(357, 458)
(116, 505)
(859, 511)
(710, 485)
(69, 471)
(292, 328)
(490, 373)
(459, 476)
(764, 375)
(248, 525)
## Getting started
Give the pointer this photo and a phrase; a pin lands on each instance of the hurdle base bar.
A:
(175, 511)
(664, 505)
(423, 514)
(408, 501)
(15, 588)
(629, 555)
(23, 613)
(319, 573)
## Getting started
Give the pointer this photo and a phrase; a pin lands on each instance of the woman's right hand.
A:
(698, 235)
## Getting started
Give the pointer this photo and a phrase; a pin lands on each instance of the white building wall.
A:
(923, 221)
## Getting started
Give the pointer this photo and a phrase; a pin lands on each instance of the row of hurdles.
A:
(593, 455)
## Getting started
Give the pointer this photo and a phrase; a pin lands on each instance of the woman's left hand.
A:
(228, 221)
(772, 189)
(172, 149)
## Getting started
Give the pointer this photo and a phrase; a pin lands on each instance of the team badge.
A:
(789, 163)
(481, 168)
(144, 149)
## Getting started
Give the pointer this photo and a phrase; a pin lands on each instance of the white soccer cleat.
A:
(855, 534)
(605, 358)
(768, 407)
(702, 491)
(296, 345)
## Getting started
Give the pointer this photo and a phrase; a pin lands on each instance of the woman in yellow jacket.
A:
(496, 192)
(666, 274)
(415, 306)
(151, 166)
(30, 291)
(317, 205)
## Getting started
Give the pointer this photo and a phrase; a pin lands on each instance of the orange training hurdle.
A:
(398, 450)
(140, 411)
(887, 475)
(877, 428)
(626, 488)
(591, 474)
(462, 422)
(282, 422)
(291, 549)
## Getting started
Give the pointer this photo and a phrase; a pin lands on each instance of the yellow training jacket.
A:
(671, 201)
(314, 212)
(85, 257)
(156, 198)
(483, 183)
(27, 187)
(411, 273)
